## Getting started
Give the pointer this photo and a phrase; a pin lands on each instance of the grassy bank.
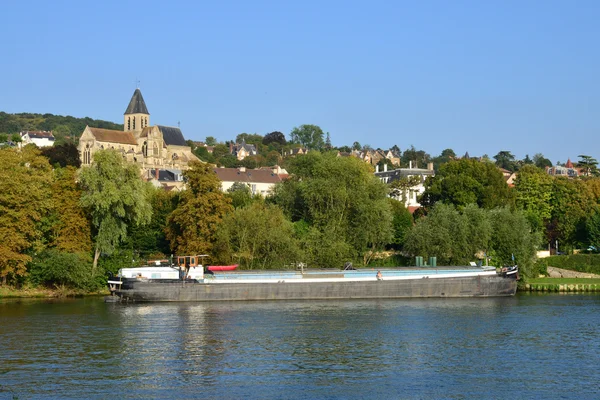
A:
(561, 285)
(44, 293)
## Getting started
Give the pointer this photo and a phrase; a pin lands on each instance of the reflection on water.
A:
(524, 347)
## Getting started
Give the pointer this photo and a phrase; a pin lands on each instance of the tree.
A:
(400, 187)
(252, 138)
(115, 197)
(533, 187)
(210, 141)
(589, 164)
(468, 181)
(402, 222)
(540, 161)
(240, 195)
(505, 159)
(356, 146)
(309, 136)
(63, 155)
(258, 236)
(25, 179)
(274, 137)
(192, 225)
(71, 230)
(344, 205)
(328, 145)
(418, 158)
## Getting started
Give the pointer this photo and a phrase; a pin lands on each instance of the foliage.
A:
(419, 158)
(505, 159)
(71, 230)
(192, 225)
(402, 222)
(145, 240)
(533, 188)
(240, 195)
(63, 128)
(341, 200)
(274, 137)
(588, 263)
(256, 237)
(62, 155)
(210, 141)
(589, 165)
(458, 237)
(115, 197)
(540, 161)
(25, 179)
(309, 136)
(54, 267)
(399, 188)
(468, 181)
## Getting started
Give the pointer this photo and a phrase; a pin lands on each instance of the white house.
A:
(411, 195)
(39, 138)
(260, 181)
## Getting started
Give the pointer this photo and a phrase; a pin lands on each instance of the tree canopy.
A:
(115, 196)
(309, 136)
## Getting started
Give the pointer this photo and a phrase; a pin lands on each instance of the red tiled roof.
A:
(112, 136)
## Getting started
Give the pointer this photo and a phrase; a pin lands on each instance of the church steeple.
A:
(137, 116)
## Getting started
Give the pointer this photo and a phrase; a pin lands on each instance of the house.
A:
(295, 151)
(242, 150)
(168, 179)
(39, 138)
(568, 170)
(151, 147)
(260, 181)
(410, 195)
(509, 176)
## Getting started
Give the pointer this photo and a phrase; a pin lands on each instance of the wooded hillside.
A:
(64, 128)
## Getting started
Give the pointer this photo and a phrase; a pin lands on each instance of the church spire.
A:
(137, 116)
(137, 105)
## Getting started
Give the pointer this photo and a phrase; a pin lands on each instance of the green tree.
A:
(63, 155)
(341, 201)
(540, 161)
(25, 179)
(589, 165)
(115, 197)
(274, 137)
(399, 188)
(418, 158)
(240, 195)
(533, 188)
(257, 236)
(201, 207)
(505, 159)
(210, 141)
(309, 136)
(468, 181)
(402, 222)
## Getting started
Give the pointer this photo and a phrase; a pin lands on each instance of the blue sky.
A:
(476, 76)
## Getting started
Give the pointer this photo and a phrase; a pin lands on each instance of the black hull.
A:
(476, 286)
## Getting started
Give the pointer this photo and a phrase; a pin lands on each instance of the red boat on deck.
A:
(222, 267)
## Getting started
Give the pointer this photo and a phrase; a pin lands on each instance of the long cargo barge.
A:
(393, 283)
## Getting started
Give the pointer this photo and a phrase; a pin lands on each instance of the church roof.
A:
(112, 136)
(172, 136)
(137, 105)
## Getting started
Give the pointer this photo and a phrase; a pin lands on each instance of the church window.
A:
(155, 150)
(133, 123)
(128, 123)
(87, 156)
(146, 121)
(145, 149)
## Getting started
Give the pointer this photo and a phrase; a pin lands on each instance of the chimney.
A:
(242, 169)
(385, 167)
(377, 168)
(410, 165)
(430, 166)
(230, 147)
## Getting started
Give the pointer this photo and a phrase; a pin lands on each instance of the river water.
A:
(527, 346)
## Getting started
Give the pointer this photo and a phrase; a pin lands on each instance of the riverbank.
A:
(44, 293)
(563, 280)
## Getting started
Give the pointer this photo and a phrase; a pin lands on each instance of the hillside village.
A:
(163, 154)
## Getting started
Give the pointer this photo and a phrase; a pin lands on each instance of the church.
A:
(153, 148)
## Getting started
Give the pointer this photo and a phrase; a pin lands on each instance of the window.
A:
(155, 150)
(133, 123)
(87, 156)
(128, 123)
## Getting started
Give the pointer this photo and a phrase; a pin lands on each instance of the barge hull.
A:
(476, 286)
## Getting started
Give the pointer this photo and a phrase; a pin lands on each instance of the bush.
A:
(55, 268)
(588, 263)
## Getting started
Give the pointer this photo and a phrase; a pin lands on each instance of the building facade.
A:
(153, 148)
